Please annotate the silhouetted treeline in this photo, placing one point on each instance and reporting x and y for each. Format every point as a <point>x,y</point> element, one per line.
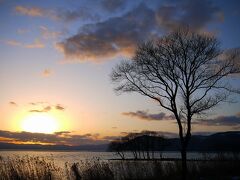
<point>149,145</point>
<point>144,145</point>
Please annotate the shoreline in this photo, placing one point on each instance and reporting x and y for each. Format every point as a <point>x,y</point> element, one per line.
<point>176,159</point>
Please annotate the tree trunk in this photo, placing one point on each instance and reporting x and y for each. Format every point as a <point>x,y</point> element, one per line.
<point>184,162</point>
<point>152,153</point>
<point>184,144</point>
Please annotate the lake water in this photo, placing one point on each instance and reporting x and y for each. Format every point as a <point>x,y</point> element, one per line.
<point>61,157</point>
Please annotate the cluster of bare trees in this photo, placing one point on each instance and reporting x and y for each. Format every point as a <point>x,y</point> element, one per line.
<point>144,145</point>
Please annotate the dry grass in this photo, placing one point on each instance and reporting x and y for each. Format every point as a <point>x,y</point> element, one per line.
<point>28,168</point>
<point>36,168</point>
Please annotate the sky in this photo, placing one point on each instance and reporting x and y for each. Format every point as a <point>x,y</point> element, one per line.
<point>56,57</point>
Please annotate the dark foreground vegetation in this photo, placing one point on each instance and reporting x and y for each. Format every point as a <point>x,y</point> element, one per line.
<point>28,168</point>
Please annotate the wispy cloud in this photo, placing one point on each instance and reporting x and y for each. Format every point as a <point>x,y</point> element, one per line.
<point>30,11</point>
<point>45,109</point>
<point>80,13</point>
<point>197,15</point>
<point>113,5</point>
<point>41,107</point>
<point>22,31</point>
<point>58,14</point>
<point>232,121</point>
<point>13,43</point>
<point>144,115</point>
<point>59,107</point>
<point>12,103</point>
<point>46,73</point>
<point>46,33</point>
<point>36,44</point>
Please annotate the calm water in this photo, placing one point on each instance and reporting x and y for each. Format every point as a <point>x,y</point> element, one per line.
<point>60,157</point>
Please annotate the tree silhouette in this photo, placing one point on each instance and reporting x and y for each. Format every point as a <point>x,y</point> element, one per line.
<point>142,145</point>
<point>185,72</point>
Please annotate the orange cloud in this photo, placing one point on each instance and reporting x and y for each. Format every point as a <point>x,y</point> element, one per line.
<point>63,137</point>
<point>13,43</point>
<point>82,13</point>
<point>30,11</point>
<point>48,34</point>
<point>36,44</point>
<point>46,73</point>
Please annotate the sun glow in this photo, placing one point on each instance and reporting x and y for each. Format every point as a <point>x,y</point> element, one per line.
<point>40,123</point>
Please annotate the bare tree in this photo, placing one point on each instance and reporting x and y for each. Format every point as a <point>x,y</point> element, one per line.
<point>118,146</point>
<point>185,72</point>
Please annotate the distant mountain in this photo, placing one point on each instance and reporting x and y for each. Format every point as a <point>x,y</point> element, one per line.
<point>224,141</point>
<point>10,146</point>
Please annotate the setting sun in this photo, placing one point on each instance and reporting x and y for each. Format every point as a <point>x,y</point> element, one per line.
<point>40,123</point>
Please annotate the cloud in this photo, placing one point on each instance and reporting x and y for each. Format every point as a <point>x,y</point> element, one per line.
<point>113,5</point>
<point>199,13</point>
<point>115,36</point>
<point>233,54</point>
<point>62,137</point>
<point>13,103</point>
<point>45,109</point>
<point>46,73</point>
<point>196,14</point>
<point>37,103</point>
<point>101,41</point>
<point>144,115</point>
<point>48,34</point>
<point>13,43</point>
<point>31,11</point>
<point>80,13</point>
<point>59,107</point>
<point>62,133</point>
<point>66,15</point>
<point>22,31</point>
<point>233,121</point>
<point>36,44</point>
<point>41,107</point>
